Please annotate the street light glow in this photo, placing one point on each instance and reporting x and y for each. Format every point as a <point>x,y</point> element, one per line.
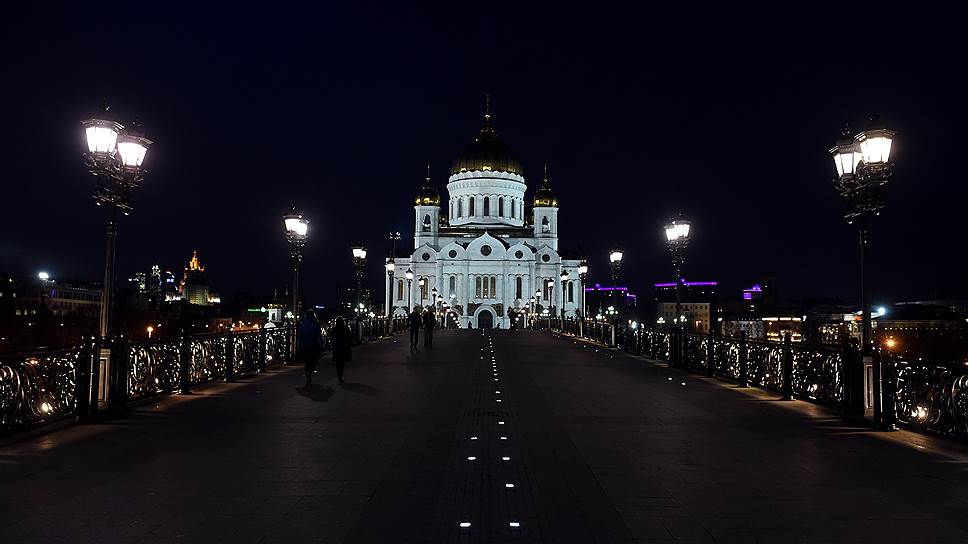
<point>43,275</point>
<point>677,230</point>
<point>615,256</point>
<point>297,225</point>
<point>875,145</point>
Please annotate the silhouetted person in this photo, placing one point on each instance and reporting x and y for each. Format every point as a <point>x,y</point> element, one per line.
<point>429,322</point>
<point>414,321</point>
<point>512,315</point>
<point>310,344</point>
<point>342,342</point>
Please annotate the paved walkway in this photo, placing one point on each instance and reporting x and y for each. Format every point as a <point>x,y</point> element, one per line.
<point>598,446</point>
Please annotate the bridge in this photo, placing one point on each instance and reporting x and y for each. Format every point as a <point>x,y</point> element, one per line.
<point>489,436</point>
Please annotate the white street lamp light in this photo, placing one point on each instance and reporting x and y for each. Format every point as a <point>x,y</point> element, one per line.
<point>875,145</point>
<point>677,231</point>
<point>615,256</point>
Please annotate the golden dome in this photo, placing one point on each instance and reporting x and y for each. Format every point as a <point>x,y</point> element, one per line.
<point>544,196</point>
<point>487,153</point>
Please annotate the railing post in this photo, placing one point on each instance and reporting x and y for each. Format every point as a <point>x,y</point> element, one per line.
<point>743,361</point>
<point>230,357</point>
<point>118,390</point>
<point>853,380</point>
<point>263,341</point>
<point>612,331</point>
<point>184,364</point>
<point>787,368</point>
<point>888,391</point>
<point>82,381</point>
<point>710,355</point>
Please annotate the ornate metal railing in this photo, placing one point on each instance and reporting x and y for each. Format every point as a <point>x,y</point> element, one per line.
<point>38,386</point>
<point>925,395</point>
<point>43,385</point>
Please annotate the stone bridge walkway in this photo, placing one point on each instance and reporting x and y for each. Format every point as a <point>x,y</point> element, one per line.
<point>522,437</point>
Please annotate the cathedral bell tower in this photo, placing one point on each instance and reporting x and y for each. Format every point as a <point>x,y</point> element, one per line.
<point>426,214</point>
<point>546,214</point>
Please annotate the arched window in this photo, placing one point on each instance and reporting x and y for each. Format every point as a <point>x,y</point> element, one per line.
<point>493,287</point>
<point>518,285</point>
<point>487,206</point>
<point>513,205</point>
<point>571,291</point>
<point>460,207</point>
<point>470,207</point>
<point>453,285</point>
<point>426,223</point>
<point>487,289</point>
<point>423,290</point>
<point>545,225</point>
<point>399,289</point>
<point>500,207</point>
<point>477,287</point>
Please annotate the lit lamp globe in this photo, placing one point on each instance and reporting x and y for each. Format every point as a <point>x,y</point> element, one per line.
<point>409,275</point>
<point>564,276</point>
<point>615,256</point>
<point>390,266</point>
<point>847,157</point>
<point>132,147</point>
<point>297,226</point>
<point>102,136</point>
<point>582,269</point>
<point>875,146</point>
<point>359,252</point>
<point>677,231</point>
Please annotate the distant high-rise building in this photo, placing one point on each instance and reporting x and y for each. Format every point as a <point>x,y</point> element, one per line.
<point>194,285</point>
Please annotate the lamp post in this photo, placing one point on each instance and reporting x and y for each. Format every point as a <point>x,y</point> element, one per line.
<point>114,156</point>
<point>297,231</point>
<point>433,298</point>
<point>677,239</point>
<point>863,168</point>
<point>409,276</point>
<point>421,283</point>
<point>359,262</point>
<point>389,266</point>
<point>615,257</point>
<point>564,279</point>
<point>582,277</point>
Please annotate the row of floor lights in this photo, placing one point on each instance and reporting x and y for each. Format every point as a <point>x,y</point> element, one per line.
<point>508,485</point>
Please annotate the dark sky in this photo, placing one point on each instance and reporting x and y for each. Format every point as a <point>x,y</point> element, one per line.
<point>724,113</point>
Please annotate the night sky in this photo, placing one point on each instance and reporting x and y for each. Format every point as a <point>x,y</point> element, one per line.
<point>725,114</point>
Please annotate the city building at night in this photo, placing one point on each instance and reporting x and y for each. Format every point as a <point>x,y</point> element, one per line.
<point>697,303</point>
<point>486,249</point>
<point>598,298</point>
<point>194,284</point>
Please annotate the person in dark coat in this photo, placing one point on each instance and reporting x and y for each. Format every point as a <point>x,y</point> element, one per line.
<point>342,342</point>
<point>429,322</point>
<point>415,321</point>
<point>310,344</point>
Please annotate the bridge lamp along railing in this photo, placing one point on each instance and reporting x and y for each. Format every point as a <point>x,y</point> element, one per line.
<point>864,166</point>
<point>359,263</point>
<point>677,233</point>
<point>409,276</point>
<point>297,233</point>
<point>389,266</point>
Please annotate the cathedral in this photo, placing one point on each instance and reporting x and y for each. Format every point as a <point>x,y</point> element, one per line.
<point>481,255</point>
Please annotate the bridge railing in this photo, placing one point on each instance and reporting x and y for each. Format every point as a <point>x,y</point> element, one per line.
<point>43,385</point>
<point>921,394</point>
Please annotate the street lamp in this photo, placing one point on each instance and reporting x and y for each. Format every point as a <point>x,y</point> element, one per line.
<point>297,231</point>
<point>390,266</point>
<point>864,166</point>
<point>582,277</point>
<point>564,280</point>
<point>359,261</point>
<point>409,276</point>
<point>421,283</point>
<point>677,239</point>
<point>114,156</point>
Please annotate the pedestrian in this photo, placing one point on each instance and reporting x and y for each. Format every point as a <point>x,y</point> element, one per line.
<point>429,322</point>
<point>310,344</point>
<point>342,342</point>
<point>415,321</point>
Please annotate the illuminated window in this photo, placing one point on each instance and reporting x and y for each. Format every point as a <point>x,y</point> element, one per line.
<point>545,225</point>
<point>493,287</point>
<point>477,287</point>
<point>426,223</point>
<point>399,289</point>
<point>453,285</point>
<point>423,289</point>
<point>487,289</point>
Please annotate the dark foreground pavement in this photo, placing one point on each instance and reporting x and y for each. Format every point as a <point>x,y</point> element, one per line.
<point>598,446</point>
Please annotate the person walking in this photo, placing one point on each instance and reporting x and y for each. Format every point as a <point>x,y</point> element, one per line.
<point>310,344</point>
<point>415,321</point>
<point>342,342</point>
<point>429,322</point>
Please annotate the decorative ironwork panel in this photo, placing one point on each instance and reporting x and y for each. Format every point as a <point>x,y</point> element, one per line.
<point>153,367</point>
<point>37,386</point>
<point>246,352</point>
<point>933,396</point>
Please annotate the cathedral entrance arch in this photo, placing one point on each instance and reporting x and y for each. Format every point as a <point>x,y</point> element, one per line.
<point>485,318</point>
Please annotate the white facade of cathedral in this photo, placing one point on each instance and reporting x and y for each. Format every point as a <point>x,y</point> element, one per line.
<point>484,259</point>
